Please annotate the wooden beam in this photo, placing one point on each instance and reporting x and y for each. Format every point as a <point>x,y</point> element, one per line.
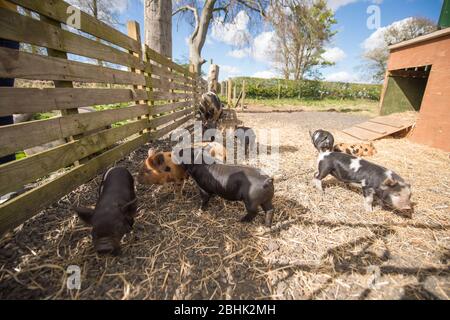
<point>33,100</point>
<point>14,26</point>
<point>29,134</point>
<point>14,175</point>
<point>170,107</point>
<point>58,10</point>
<point>22,65</point>
<point>168,129</point>
<point>157,122</point>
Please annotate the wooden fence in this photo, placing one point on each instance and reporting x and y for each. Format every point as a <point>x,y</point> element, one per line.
<point>157,96</point>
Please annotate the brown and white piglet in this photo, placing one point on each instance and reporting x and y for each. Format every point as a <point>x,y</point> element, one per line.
<point>113,215</point>
<point>159,169</point>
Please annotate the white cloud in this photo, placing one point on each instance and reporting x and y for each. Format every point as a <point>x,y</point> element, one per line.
<point>342,76</point>
<point>230,71</point>
<point>260,48</point>
<point>334,54</point>
<point>376,39</point>
<point>239,53</point>
<point>234,33</point>
<point>267,74</point>
<point>337,4</point>
<point>119,5</point>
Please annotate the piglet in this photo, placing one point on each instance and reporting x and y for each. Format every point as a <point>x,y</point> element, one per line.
<point>113,215</point>
<point>233,183</point>
<point>159,169</point>
<point>322,140</point>
<point>375,180</point>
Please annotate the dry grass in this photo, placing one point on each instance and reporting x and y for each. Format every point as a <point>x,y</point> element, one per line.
<point>321,246</point>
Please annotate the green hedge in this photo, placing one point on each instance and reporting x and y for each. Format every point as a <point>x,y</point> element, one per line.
<point>257,88</point>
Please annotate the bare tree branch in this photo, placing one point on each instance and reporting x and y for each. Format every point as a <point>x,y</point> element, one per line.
<point>253,5</point>
<point>197,20</point>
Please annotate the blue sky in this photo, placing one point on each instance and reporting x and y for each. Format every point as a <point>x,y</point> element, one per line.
<point>240,55</point>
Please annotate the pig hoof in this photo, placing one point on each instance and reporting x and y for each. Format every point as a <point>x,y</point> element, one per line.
<point>317,184</point>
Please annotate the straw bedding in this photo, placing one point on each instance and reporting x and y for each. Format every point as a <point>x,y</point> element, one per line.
<point>320,247</point>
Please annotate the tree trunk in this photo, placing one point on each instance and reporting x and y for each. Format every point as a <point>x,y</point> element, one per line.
<point>195,57</point>
<point>198,37</point>
<point>158,26</point>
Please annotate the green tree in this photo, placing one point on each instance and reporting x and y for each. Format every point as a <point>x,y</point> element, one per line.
<point>302,29</point>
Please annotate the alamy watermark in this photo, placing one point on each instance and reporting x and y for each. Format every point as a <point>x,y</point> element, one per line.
<point>260,148</point>
<point>73,17</point>
<point>73,278</point>
<point>374,19</point>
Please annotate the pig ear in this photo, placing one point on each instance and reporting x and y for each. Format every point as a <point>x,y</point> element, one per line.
<point>85,214</point>
<point>151,152</point>
<point>390,182</point>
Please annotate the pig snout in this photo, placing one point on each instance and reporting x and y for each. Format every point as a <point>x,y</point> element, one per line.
<point>402,200</point>
<point>107,246</point>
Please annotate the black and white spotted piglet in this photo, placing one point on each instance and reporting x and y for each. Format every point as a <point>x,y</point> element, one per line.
<point>375,180</point>
<point>322,140</point>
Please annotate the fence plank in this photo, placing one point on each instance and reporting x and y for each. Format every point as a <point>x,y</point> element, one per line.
<point>32,100</point>
<point>166,130</point>
<point>29,134</point>
<point>154,123</point>
<point>14,26</point>
<point>14,175</point>
<point>161,95</point>
<point>155,56</point>
<point>22,65</point>
<point>163,72</point>
<point>166,85</point>
<point>57,10</point>
<point>25,206</point>
<point>170,107</point>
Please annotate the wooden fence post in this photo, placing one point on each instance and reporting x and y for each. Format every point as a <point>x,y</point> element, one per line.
<point>279,90</point>
<point>243,95</point>
<point>134,32</point>
<point>194,86</point>
<point>229,93</point>
<point>213,78</point>
<point>62,84</point>
<point>234,93</point>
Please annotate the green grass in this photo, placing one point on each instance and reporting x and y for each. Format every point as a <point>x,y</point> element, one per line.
<point>20,155</point>
<point>368,107</point>
<point>44,115</point>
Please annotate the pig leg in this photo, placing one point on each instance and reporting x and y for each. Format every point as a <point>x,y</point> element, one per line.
<point>205,196</point>
<point>252,211</point>
<point>324,171</point>
<point>178,191</point>
<point>268,209</point>
<point>368,199</point>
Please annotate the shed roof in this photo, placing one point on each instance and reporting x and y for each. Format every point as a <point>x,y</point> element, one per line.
<point>427,37</point>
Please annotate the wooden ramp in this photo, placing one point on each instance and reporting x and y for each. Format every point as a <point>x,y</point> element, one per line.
<point>380,127</point>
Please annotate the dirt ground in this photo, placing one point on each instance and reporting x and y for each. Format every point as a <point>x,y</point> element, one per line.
<point>320,247</point>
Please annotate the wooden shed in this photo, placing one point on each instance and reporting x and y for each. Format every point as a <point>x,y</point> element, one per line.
<point>418,78</point>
